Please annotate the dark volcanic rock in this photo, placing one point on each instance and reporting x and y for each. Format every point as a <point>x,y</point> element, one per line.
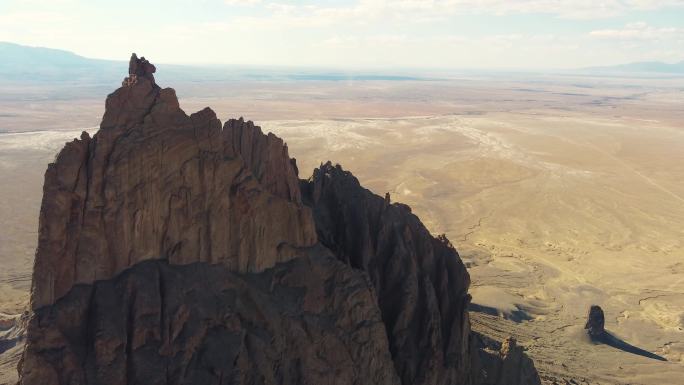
<point>596,329</point>
<point>157,183</point>
<point>502,363</point>
<point>173,250</point>
<point>421,283</point>
<point>312,320</point>
<point>139,69</point>
<point>595,322</point>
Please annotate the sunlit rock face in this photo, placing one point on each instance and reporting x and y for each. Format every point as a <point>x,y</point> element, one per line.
<point>155,183</point>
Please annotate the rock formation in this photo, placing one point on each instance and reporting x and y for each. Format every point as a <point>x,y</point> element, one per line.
<point>309,321</point>
<point>173,250</point>
<point>420,281</point>
<point>155,183</point>
<point>595,322</point>
<point>597,332</point>
<point>502,363</point>
<point>139,69</point>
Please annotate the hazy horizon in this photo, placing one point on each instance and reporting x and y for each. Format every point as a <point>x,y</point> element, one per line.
<point>404,34</point>
<point>401,73</point>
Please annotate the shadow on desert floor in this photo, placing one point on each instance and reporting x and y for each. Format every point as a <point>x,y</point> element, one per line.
<point>610,340</point>
<point>606,338</point>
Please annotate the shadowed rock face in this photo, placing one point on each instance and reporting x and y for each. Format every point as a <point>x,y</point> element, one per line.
<point>176,251</point>
<point>312,320</point>
<point>502,363</point>
<point>421,283</point>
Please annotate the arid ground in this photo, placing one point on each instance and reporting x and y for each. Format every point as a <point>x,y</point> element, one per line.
<point>560,192</point>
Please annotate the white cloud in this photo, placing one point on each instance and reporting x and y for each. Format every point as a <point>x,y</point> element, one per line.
<point>416,10</point>
<point>388,33</point>
<point>639,31</point>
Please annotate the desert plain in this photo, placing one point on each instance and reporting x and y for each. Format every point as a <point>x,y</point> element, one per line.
<point>559,191</point>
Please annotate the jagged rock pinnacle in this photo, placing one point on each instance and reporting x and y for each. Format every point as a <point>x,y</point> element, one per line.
<point>139,69</point>
<point>155,183</point>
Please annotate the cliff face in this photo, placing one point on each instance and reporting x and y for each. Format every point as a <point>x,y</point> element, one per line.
<point>420,281</point>
<point>155,183</point>
<point>176,251</point>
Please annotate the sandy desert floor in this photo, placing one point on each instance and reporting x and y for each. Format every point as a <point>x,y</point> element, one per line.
<point>551,213</point>
<point>558,194</point>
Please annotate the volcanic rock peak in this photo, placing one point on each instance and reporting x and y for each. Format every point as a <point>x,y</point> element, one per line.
<point>157,183</point>
<point>176,251</point>
<point>139,68</point>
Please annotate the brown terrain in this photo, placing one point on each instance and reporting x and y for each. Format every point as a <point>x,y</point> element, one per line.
<point>559,192</point>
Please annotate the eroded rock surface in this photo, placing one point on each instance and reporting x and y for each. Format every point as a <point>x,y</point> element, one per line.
<point>157,183</point>
<point>421,283</point>
<point>502,363</point>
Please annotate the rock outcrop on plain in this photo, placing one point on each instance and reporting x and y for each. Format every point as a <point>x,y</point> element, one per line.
<point>597,332</point>
<point>595,325</point>
<point>174,250</point>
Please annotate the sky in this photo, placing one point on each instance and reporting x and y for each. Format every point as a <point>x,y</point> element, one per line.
<point>396,34</point>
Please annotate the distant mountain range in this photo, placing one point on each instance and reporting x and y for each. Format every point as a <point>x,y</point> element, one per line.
<point>653,67</point>
<point>36,64</point>
<point>22,63</point>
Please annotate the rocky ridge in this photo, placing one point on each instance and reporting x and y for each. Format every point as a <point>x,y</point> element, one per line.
<point>156,183</point>
<point>174,250</point>
<point>421,283</point>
